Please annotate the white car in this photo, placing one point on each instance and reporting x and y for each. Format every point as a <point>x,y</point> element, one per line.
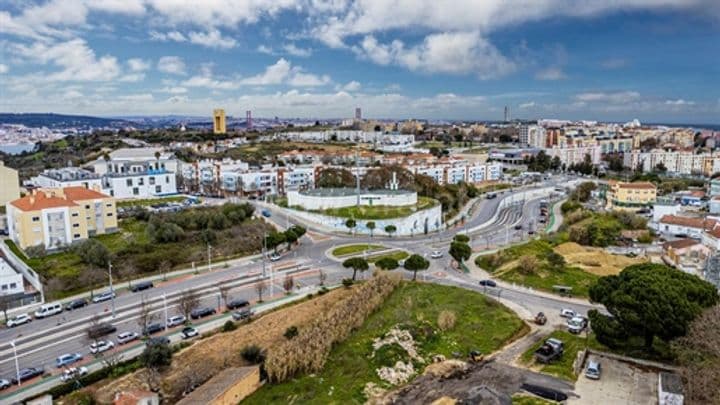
<point>436,254</point>
<point>274,257</point>
<point>4,384</point>
<point>567,313</point>
<point>73,372</point>
<point>126,337</point>
<point>101,346</point>
<point>18,320</point>
<point>175,321</point>
<point>189,332</point>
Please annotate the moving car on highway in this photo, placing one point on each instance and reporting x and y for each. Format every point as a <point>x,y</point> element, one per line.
<point>46,310</point>
<point>488,283</point>
<point>242,314</point>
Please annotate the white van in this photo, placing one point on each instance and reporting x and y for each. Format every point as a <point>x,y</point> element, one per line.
<point>48,310</point>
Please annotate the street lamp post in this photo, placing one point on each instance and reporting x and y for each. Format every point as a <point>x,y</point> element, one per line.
<point>264,248</point>
<point>17,365</point>
<point>164,298</point>
<point>112,292</point>
<point>209,257</point>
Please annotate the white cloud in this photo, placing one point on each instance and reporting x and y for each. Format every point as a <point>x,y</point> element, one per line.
<point>551,73</point>
<point>138,65</point>
<point>72,94</point>
<point>132,78</point>
<point>137,97</point>
<point>620,97</point>
<point>168,36</point>
<point>282,72</point>
<point>294,50</point>
<point>219,13</point>
<point>212,39</point>
<point>174,90</point>
<point>448,52</point>
<point>77,62</point>
<point>171,64</point>
<point>351,86</point>
<point>529,104</point>
<point>266,50</point>
<point>679,102</point>
<point>206,80</point>
<point>3,68</point>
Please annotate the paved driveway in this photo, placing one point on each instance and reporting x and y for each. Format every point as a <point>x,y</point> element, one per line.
<point>620,383</point>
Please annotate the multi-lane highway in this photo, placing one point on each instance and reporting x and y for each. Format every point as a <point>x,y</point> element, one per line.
<point>491,222</point>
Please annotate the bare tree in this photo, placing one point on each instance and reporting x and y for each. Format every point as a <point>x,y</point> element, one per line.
<point>189,300</point>
<point>224,292</point>
<point>260,288</point>
<point>322,276</point>
<point>146,316</point>
<point>288,283</point>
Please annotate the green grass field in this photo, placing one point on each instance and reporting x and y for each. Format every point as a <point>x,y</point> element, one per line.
<point>398,255</point>
<point>350,249</point>
<point>547,277</point>
<point>150,201</point>
<point>380,211</point>
<point>562,368</point>
<point>482,324</point>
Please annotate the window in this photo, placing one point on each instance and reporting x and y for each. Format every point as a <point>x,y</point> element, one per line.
<point>108,205</point>
<point>74,214</point>
<point>167,179</point>
<point>151,181</point>
<point>13,285</point>
<point>141,181</point>
<point>109,214</point>
<point>158,189</point>
<point>35,219</point>
<point>136,191</point>
<point>87,207</point>
<point>76,225</point>
<point>129,182</point>
<point>76,236</point>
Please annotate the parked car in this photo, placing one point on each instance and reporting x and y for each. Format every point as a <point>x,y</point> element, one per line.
<point>18,320</point>
<point>75,304</point>
<point>242,314</point>
<point>567,313</point>
<point>100,330</point>
<point>175,321</point>
<point>552,349</point>
<point>577,324</point>
<point>73,373</point>
<point>488,283</point>
<point>28,373</point>
<point>104,296</point>
<point>274,257</point>
<point>46,310</point>
<point>198,313</point>
<point>189,332</point>
<point>266,213</point>
<point>143,285</point>
<point>67,359</point>
<point>126,337</point>
<point>593,370</point>
<point>153,328</point>
<point>490,196</point>
<point>518,227</point>
<point>160,340</point>
<point>4,384</point>
<point>101,346</point>
<point>436,254</point>
<point>237,303</point>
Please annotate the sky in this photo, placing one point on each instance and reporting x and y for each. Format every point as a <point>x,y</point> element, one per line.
<point>607,60</point>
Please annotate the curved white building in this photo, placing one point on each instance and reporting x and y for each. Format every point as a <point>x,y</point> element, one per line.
<point>324,198</point>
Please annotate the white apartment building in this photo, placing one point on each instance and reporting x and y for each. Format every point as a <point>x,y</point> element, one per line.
<point>675,162</point>
<point>343,136</point>
<point>533,136</point>
<point>436,172</point>
<point>11,282</point>
<point>138,173</point>
<point>295,178</point>
<point>573,155</point>
<point>67,177</point>
<point>150,184</point>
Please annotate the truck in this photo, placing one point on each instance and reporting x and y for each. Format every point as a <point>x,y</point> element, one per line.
<point>551,350</point>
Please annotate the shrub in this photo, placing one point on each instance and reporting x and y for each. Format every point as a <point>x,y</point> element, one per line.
<point>156,356</point>
<point>446,320</point>
<point>291,332</point>
<point>347,282</point>
<point>229,326</point>
<point>528,264</point>
<point>323,290</point>
<point>387,263</point>
<point>645,238</point>
<point>81,398</point>
<point>253,354</point>
<point>35,251</point>
<point>461,238</point>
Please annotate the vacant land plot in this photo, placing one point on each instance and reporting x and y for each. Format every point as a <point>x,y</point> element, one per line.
<point>480,324</point>
<point>350,249</point>
<point>595,260</point>
<point>547,277</point>
<point>208,356</point>
<point>619,383</point>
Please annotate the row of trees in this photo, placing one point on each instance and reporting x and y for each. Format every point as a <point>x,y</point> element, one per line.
<point>290,236</point>
<point>351,224</point>
<point>413,263</point>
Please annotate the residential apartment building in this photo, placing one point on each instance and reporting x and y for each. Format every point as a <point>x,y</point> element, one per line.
<point>9,184</point>
<point>67,177</point>
<point>533,136</point>
<point>685,162</point>
<point>575,154</point>
<point>138,173</point>
<point>59,217</point>
<point>630,196</point>
<point>11,282</point>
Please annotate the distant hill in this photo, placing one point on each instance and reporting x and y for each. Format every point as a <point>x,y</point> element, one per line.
<point>60,121</point>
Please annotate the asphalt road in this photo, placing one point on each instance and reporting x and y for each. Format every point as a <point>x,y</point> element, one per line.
<point>41,341</point>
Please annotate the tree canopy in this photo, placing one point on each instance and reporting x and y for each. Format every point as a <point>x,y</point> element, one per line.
<point>460,251</point>
<point>416,263</point>
<point>648,300</point>
<point>357,264</point>
<point>335,177</point>
<point>387,263</point>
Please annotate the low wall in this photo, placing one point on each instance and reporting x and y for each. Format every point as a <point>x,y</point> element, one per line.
<point>413,224</point>
<point>316,200</point>
<point>29,274</point>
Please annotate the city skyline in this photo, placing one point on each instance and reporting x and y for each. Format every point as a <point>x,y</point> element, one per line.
<point>656,61</point>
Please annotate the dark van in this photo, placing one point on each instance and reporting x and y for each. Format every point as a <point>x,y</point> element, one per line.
<point>143,285</point>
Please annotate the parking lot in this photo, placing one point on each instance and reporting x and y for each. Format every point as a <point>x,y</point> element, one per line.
<point>619,383</point>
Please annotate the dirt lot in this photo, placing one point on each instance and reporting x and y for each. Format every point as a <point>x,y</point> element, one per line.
<point>619,383</point>
<point>595,260</point>
<point>206,357</point>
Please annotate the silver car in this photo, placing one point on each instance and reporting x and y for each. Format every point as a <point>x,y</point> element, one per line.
<point>126,337</point>
<point>593,370</point>
<point>175,321</point>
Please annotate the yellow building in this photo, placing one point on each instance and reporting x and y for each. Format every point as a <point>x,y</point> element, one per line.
<point>631,196</point>
<point>9,184</point>
<point>59,217</point>
<point>219,121</point>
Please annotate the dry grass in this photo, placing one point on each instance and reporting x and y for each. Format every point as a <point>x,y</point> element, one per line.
<point>595,260</point>
<point>207,357</point>
<point>446,320</point>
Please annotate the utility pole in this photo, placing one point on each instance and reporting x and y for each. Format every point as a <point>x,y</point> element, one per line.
<point>264,248</point>
<point>209,258</point>
<point>112,292</point>
<point>17,365</point>
<point>164,298</point>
